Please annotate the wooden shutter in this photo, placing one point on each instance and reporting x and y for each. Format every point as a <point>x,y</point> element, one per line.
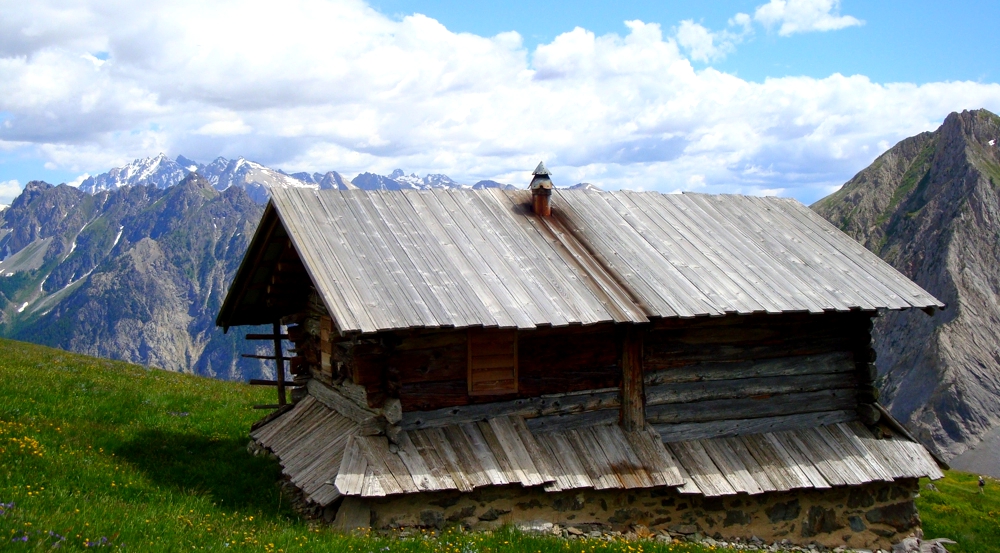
<point>492,362</point>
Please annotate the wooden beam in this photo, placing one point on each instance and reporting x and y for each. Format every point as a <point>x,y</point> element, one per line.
<point>278,281</point>
<point>572,421</point>
<point>896,426</point>
<point>718,429</point>
<point>554,404</point>
<point>369,422</point>
<point>279,361</point>
<point>753,407</point>
<point>633,404</point>
<point>797,365</point>
<point>266,337</point>
<point>262,382</point>
<point>257,356</point>
<point>291,268</point>
<point>747,387</point>
<point>284,305</point>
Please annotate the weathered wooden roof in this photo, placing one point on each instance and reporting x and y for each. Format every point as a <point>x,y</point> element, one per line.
<point>459,258</point>
<point>323,455</point>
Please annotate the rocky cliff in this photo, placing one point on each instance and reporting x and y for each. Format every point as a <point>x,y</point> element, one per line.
<point>930,206</point>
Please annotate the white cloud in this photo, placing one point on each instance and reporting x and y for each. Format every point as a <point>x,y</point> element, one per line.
<point>8,191</point>
<point>705,45</point>
<point>315,85</point>
<point>224,128</point>
<point>803,16</point>
<point>75,183</point>
<point>695,182</point>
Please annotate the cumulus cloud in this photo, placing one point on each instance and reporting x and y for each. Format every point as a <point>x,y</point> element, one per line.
<point>316,85</point>
<point>803,16</point>
<point>8,191</point>
<point>704,45</point>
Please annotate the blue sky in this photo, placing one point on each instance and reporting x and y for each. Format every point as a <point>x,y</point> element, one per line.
<point>915,41</point>
<point>781,97</point>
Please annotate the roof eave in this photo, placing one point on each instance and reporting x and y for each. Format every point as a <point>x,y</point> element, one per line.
<point>237,289</point>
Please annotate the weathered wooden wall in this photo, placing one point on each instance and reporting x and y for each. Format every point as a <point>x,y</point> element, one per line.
<point>700,376</point>
<point>747,374</point>
<point>680,342</point>
<point>427,370</point>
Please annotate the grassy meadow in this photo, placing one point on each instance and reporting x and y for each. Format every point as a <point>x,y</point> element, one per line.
<point>97,453</point>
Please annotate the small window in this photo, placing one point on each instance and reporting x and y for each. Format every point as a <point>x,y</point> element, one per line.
<point>492,362</point>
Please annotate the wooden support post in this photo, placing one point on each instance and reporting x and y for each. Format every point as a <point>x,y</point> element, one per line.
<point>633,406</point>
<point>279,363</point>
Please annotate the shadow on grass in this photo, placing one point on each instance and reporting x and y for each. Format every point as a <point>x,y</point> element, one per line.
<point>199,465</point>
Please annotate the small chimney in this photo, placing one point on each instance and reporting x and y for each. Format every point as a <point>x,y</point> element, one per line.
<point>541,190</point>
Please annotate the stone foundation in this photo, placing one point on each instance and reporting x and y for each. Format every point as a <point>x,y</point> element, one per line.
<point>871,516</point>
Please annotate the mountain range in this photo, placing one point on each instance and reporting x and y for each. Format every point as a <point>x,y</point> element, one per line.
<point>135,273</point>
<point>134,264</point>
<point>162,172</point>
<point>930,206</point>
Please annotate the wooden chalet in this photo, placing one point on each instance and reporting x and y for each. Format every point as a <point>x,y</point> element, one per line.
<point>498,347</point>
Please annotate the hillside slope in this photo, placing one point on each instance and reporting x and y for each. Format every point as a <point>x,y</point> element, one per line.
<point>930,206</point>
<point>135,274</point>
<point>98,453</point>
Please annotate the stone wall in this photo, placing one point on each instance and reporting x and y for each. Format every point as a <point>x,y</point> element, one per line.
<point>870,516</point>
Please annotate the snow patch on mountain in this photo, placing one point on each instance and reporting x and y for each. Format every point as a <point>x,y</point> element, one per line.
<point>121,229</point>
<point>158,171</point>
<point>258,179</point>
<point>413,182</point>
<point>162,172</point>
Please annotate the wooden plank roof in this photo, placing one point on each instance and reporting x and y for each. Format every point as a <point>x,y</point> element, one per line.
<point>324,455</point>
<point>385,260</point>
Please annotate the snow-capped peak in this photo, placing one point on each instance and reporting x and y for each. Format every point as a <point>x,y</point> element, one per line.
<point>159,171</point>
<point>257,179</point>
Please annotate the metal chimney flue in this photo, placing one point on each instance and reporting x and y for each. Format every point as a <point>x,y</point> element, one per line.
<point>541,190</point>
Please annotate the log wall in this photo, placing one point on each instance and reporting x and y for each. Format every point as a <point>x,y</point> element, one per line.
<point>747,374</point>
<point>700,377</point>
<point>428,370</point>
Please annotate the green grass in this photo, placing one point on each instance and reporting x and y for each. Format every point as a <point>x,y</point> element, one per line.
<point>957,511</point>
<point>111,454</point>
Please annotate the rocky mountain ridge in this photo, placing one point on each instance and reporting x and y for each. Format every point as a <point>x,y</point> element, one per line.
<point>137,273</point>
<point>162,172</point>
<point>930,206</point>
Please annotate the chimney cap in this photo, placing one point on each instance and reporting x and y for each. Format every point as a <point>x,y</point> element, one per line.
<point>541,181</point>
